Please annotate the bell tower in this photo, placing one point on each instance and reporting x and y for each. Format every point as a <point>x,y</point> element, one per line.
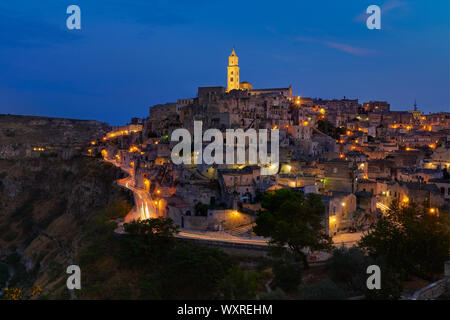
<point>233,72</point>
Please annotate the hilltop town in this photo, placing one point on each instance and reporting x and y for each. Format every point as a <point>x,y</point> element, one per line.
<point>361,157</point>
<point>71,188</point>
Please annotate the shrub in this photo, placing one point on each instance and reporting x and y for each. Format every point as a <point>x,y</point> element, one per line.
<point>323,290</point>
<point>287,274</point>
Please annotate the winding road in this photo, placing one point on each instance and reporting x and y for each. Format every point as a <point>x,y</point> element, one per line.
<point>145,209</point>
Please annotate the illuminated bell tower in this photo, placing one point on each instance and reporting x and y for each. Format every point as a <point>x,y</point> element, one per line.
<point>233,72</point>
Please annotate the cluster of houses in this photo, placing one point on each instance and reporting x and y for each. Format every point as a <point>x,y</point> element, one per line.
<point>359,168</point>
<point>359,157</point>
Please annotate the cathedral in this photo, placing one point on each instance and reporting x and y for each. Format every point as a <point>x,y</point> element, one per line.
<point>233,72</point>
<point>234,84</point>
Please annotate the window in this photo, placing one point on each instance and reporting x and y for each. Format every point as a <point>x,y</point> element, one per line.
<point>442,190</point>
<point>231,79</point>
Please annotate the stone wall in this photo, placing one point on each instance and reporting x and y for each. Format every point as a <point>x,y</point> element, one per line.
<point>435,289</point>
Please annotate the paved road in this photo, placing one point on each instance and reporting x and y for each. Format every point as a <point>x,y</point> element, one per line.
<point>145,208</point>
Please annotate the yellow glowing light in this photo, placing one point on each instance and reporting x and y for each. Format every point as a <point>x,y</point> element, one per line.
<point>343,204</point>
<point>156,142</point>
<point>104,153</point>
<point>349,133</point>
<point>275,127</point>
<point>332,219</point>
<point>305,123</point>
<point>405,199</point>
<point>322,111</point>
<point>341,155</point>
<point>432,210</point>
<point>235,213</point>
<point>158,191</point>
<point>93,143</point>
<point>432,146</point>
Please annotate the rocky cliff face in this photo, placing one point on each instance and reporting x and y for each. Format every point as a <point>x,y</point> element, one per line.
<point>46,203</point>
<point>28,136</point>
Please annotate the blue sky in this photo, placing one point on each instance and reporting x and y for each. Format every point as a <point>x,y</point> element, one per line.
<point>132,54</point>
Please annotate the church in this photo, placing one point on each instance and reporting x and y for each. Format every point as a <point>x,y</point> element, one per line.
<point>238,105</point>
<point>233,82</point>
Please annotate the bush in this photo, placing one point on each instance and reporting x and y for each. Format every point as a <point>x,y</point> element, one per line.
<point>323,290</point>
<point>276,294</point>
<point>411,241</point>
<point>287,274</point>
<point>239,284</point>
<point>348,267</point>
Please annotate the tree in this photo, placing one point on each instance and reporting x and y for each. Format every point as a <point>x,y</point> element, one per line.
<point>276,294</point>
<point>293,220</point>
<point>411,240</point>
<point>287,275</point>
<point>239,284</point>
<point>348,266</point>
<point>148,239</point>
<point>191,271</point>
<point>322,290</point>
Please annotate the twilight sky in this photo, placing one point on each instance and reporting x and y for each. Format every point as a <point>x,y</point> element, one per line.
<point>132,54</point>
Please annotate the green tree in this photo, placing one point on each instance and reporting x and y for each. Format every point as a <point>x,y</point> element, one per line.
<point>276,294</point>
<point>191,271</point>
<point>287,275</point>
<point>348,266</point>
<point>410,240</point>
<point>293,220</point>
<point>322,290</point>
<point>239,284</point>
<point>149,239</point>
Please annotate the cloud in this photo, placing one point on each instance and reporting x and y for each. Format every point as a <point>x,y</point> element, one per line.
<point>392,4</point>
<point>357,51</point>
<point>347,48</point>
